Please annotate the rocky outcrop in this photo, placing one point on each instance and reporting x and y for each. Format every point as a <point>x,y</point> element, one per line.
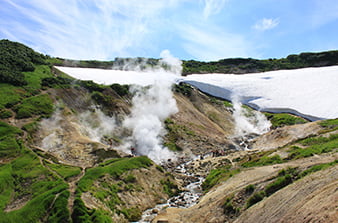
<point>285,135</point>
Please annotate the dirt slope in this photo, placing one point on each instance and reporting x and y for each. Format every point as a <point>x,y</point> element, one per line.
<point>311,199</point>
<point>210,121</point>
<point>210,207</point>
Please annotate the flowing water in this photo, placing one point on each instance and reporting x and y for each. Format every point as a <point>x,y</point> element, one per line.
<point>185,199</point>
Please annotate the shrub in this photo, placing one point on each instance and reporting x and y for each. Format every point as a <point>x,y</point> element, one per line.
<point>121,90</point>
<point>132,214</point>
<point>278,184</point>
<point>183,88</point>
<point>283,119</point>
<point>255,198</point>
<point>36,105</point>
<point>263,161</point>
<point>318,167</point>
<point>330,124</point>
<point>92,86</point>
<point>169,187</point>
<point>229,208</point>
<point>56,82</point>
<point>318,145</point>
<point>129,179</point>
<point>217,175</point>
<point>14,59</point>
<point>5,114</point>
<point>250,189</point>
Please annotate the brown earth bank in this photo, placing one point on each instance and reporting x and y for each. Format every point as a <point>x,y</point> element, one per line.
<point>299,197</point>
<point>203,124</point>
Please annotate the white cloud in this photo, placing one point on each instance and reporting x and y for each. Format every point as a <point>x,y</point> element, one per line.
<point>266,24</point>
<point>212,43</point>
<point>212,7</point>
<point>97,29</point>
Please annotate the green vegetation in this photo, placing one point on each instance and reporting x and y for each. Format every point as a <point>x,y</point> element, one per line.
<point>10,95</point>
<point>331,124</point>
<point>107,192</point>
<point>56,82</point>
<point>121,90</point>
<point>284,178</point>
<point>249,65</point>
<point>36,105</point>
<point>283,119</point>
<point>278,184</point>
<point>169,187</point>
<point>31,127</point>
<point>217,175</point>
<point>115,169</point>
<point>102,99</point>
<point>250,189</point>
<point>59,211</point>
<point>174,133</point>
<point>132,214</point>
<point>318,167</point>
<point>118,64</point>
<point>34,78</point>
<point>316,145</point>
<point>229,208</point>
<point>25,178</point>
<point>10,145</point>
<point>16,58</point>
<point>228,104</point>
<point>91,86</point>
<point>255,198</point>
<point>65,171</point>
<point>173,146</point>
<point>5,114</point>
<point>263,161</point>
<point>183,88</point>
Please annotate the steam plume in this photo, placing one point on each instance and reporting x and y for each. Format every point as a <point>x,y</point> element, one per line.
<point>248,121</point>
<point>151,106</point>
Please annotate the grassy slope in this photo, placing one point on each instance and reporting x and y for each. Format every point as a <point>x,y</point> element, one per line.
<point>34,187</point>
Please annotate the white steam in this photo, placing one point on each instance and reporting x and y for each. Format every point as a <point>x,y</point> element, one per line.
<point>96,124</point>
<point>151,106</point>
<point>173,63</point>
<point>248,121</point>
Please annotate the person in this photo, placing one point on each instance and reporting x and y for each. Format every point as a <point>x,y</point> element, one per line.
<point>133,152</point>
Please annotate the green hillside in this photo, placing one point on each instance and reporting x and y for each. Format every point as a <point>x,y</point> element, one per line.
<point>37,186</point>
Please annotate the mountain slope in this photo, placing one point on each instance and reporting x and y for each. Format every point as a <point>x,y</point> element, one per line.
<point>283,184</point>
<point>63,159</point>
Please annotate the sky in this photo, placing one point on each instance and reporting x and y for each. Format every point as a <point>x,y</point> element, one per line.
<point>205,30</point>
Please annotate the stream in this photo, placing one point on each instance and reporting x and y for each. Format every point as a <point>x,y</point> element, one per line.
<point>185,199</point>
<point>192,187</point>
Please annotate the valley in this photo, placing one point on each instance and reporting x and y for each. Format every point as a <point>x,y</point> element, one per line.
<point>78,151</point>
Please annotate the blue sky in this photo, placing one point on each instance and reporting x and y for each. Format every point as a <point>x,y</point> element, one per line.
<point>190,29</point>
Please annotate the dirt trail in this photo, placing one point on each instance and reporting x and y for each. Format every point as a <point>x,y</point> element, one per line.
<point>72,188</point>
<point>72,183</point>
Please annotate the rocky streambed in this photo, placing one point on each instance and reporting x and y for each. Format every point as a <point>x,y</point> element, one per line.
<point>188,197</point>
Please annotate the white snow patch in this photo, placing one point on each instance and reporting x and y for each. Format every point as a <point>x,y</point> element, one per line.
<point>105,76</point>
<point>310,92</point>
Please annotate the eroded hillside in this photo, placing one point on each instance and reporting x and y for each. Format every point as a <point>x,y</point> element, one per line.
<point>290,182</point>
<point>66,156</point>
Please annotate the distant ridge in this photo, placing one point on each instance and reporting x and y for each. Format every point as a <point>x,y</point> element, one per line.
<point>228,66</point>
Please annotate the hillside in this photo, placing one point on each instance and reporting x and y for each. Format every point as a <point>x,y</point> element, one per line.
<point>227,66</point>
<point>66,154</point>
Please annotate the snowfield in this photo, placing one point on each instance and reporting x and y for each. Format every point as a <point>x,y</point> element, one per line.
<point>308,92</point>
